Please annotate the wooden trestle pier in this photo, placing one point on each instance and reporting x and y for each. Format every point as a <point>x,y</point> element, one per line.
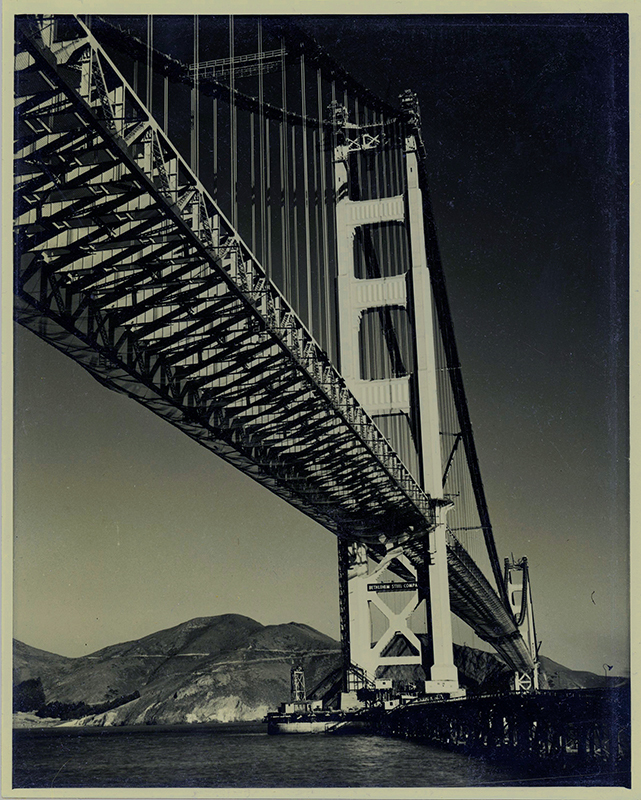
<point>584,732</point>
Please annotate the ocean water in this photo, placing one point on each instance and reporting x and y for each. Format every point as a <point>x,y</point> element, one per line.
<point>239,755</point>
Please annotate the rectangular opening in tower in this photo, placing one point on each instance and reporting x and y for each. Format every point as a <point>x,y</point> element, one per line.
<point>380,250</point>
<point>378,172</point>
<point>385,344</point>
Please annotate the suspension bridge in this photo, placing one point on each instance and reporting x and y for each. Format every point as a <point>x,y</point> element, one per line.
<point>233,232</point>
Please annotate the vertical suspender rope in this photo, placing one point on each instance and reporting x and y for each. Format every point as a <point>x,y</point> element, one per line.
<point>365,334</point>
<point>268,197</point>
<point>376,331</point>
<point>358,155</point>
<point>295,260</point>
<point>316,272</point>
<point>196,94</point>
<point>377,180</point>
<point>397,240</point>
<point>381,228</point>
<point>393,233</point>
<point>368,171</point>
<point>401,190</point>
<point>233,144</point>
<point>214,112</point>
<point>328,289</point>
<point>308,241</point>
<point>252,171</point>
<point>165,104</point>
<point>317,156</point>
<point>252,149</point>
<point>400,174</point>
<point>284,185</point>
<point>332,203</point>
<point>371,325</point>
<point>397,133</point>
<point>195,122</point>
<point>150,50</point>
<point>262,128</point>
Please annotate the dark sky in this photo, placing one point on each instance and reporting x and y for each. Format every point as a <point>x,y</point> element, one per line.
<point>125,526</point>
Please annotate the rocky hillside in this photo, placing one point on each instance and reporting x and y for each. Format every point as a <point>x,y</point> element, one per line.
<point>29,662</point>
<point>222,669</point>
<point>556,676</point>
<point>226,668</point>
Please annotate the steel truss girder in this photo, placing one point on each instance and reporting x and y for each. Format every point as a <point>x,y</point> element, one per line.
<point>284,344</point>
<point>353,480</point>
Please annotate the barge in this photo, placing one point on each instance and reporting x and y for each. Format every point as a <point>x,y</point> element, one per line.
<point>309,721</point>
<point>301,715</point>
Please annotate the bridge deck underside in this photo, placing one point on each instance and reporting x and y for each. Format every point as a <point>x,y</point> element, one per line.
<point>125,263</point>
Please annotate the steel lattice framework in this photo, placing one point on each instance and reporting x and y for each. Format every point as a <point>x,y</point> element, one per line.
<point>126,264</point>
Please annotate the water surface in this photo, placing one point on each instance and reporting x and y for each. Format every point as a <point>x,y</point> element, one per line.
<point>238,755</point>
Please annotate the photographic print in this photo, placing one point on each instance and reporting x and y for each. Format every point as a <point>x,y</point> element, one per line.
<point>320,425</point>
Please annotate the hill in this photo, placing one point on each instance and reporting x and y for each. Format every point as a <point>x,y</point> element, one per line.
<point>556,676</point>
<point>224,668</point>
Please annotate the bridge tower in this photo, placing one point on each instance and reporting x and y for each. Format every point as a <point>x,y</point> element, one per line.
<point>519,592</point>
<point>391,615</point>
